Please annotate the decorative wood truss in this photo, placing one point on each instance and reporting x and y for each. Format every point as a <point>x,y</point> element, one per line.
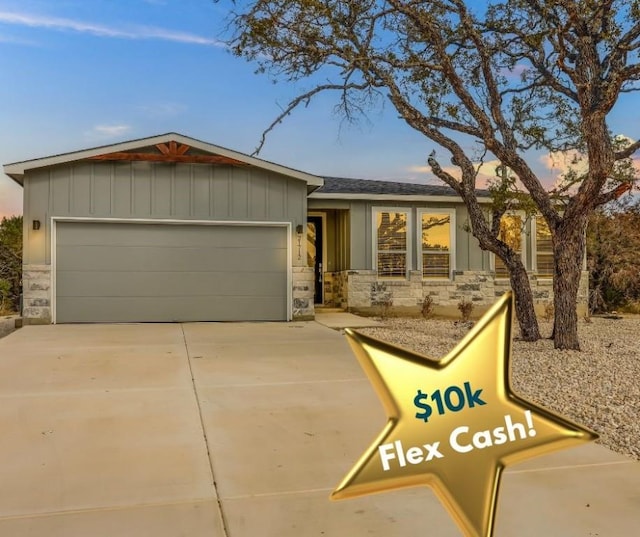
<point>171,152</point>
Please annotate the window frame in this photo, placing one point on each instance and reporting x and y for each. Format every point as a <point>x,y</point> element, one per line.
<point>523,244</point>
<point>375,211</point>
<point>534,249</point>
<point>452,240</point>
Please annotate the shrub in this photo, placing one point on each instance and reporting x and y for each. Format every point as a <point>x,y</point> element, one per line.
<point>5,297</point>
<point>10,262</point>
<point>466,308</point>
<point>427,307</point>
<point>385,305</point>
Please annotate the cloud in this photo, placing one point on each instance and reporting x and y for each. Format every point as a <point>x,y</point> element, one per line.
<point>552,173</point>
<point>99,30</point>
<point>108,131</point>
<point>560,162</point>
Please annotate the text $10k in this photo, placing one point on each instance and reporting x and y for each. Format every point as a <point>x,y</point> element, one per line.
<point>453,399</point>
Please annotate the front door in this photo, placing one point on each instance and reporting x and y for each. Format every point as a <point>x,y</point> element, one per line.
<point>314,253</point>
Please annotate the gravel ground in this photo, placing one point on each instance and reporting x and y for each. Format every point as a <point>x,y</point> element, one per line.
<point>598,387</point>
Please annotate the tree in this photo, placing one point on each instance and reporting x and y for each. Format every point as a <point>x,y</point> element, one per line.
<point>507,76</point>
<point>613,258</point>
<point>10,262</point>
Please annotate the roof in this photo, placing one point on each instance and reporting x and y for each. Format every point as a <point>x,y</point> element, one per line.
<point>346,188</point>
<point>190,150</point>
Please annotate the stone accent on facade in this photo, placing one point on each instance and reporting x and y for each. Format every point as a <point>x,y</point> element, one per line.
<point>303,291</point>
<point>361,291</point>
<point>336,289</point>
<point>36,294</point>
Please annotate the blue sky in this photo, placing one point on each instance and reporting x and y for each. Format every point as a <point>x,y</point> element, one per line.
<point>82,73</point>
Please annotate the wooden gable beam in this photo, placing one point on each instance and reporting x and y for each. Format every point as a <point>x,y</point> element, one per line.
<point>170,157</point>
<point>173,148</point>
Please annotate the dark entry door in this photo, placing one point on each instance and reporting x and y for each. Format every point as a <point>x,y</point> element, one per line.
<point>314,253</point>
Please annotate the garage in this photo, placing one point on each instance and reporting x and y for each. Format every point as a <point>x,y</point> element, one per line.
<point>167,272</point>
<point>163,229</point>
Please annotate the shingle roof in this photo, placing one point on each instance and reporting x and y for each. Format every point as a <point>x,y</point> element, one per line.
<point>342,185</point>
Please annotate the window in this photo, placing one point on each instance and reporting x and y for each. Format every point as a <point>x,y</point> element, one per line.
<point>437,243</point>
<point>510,233</point>
<point>391,256</point>
<point>543,248</point>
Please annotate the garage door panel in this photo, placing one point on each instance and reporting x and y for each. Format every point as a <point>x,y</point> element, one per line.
<point>136,235</point>
<point>108,272</point>
<point>168,309</point>
<point>152,258</point>
<point>169,284</point>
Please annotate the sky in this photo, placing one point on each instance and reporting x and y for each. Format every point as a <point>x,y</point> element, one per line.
<point>76,74</point>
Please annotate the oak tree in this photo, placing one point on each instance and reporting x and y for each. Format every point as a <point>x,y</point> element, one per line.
<point>503,77</point>
<point>613,258</point>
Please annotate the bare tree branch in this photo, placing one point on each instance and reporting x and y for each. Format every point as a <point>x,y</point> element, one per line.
<point>627,151</point>
<point>305,99</point>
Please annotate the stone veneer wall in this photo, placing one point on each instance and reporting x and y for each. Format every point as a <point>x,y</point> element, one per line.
<point>362,291</point>
<point>303,292</point>
<point>336,289</point>
<point>36,294</point>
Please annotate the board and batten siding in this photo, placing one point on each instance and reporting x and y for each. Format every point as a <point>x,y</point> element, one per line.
<point>148,190</point>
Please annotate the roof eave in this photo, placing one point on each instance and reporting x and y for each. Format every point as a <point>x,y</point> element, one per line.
<point>18,178</point>
<point>392,197</point>
<point>16,170</point>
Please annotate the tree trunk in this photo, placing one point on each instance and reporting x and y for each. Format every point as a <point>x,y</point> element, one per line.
<point>525,313</point>
<point>518,278</point>
<point>568,250</point>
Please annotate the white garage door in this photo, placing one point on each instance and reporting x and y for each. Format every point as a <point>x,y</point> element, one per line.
<point>126,272</point>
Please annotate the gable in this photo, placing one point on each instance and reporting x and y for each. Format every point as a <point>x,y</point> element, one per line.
<point>170,147</point>
<point>169,152</point>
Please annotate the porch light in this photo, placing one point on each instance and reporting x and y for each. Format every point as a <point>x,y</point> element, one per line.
<point>36,225</point>
<point>299,229</point>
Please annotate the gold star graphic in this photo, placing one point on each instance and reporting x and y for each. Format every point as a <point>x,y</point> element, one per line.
<point>453,423</point>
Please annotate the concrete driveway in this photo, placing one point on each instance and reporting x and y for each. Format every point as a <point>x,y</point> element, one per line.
<point>240,430</point>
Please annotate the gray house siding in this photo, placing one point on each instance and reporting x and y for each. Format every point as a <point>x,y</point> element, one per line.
<point>153,191</point>
<point>358,287</point>
<point>137,190</point>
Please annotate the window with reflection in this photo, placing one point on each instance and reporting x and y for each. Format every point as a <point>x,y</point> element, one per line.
<point>391,244</point>
<point>544,249</point>
<point>436,244</point>
<point>510,233</point>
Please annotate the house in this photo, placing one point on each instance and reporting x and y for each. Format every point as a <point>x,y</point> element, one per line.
<point>169,228</point>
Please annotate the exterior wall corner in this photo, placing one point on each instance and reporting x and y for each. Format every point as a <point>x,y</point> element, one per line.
<point>303,292</point>
<point>36,294</point>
